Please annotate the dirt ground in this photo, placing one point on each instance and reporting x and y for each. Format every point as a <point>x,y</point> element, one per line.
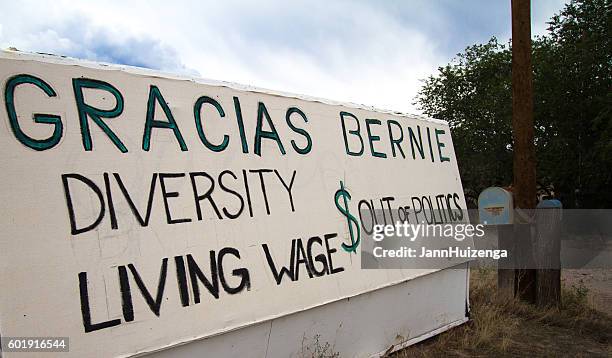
<point>598,285</point>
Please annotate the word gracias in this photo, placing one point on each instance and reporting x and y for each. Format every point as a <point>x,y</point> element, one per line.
<point>423,144</point>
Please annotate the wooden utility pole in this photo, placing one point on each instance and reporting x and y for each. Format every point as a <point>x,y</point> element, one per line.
<point>523,134</point>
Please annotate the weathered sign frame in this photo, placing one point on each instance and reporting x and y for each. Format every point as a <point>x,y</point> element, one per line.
<point>79,254</point>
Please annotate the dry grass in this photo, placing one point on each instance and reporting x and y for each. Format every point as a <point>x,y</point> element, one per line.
<point>510,328</point>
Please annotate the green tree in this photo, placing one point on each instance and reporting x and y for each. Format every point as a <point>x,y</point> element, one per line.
<point>572,66</point>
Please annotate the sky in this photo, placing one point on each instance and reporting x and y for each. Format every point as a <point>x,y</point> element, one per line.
<point>374,53</point>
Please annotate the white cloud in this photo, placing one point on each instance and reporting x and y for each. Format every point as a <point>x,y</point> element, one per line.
<point>541,13</point>
<point>366,52</point>
<point>343,50</point>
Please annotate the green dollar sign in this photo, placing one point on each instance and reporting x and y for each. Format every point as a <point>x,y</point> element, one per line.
<point>350,219</point>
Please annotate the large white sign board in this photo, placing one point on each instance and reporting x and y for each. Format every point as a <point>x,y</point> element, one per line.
<point>140,210</point>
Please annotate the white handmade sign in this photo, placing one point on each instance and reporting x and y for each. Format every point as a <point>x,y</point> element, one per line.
<point>141,210</point>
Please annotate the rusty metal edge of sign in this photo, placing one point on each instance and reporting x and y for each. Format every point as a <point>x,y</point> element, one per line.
<point>435,332</point>
<point>382,353</point>
<point>421,338</point>
<point>283,314</point>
